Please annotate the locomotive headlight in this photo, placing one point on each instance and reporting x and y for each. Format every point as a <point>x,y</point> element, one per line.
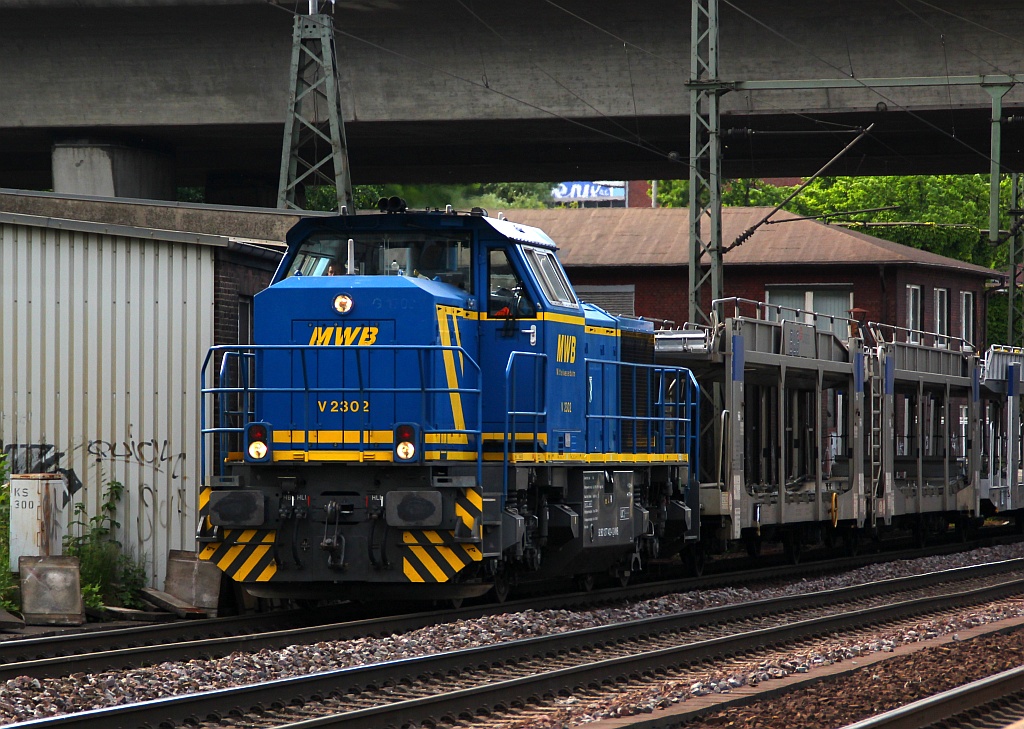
<point>257,442</point>
<point>343,303</point>
<point>406,441</point>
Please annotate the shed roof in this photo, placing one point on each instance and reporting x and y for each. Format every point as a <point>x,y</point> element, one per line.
<point>594,237</point>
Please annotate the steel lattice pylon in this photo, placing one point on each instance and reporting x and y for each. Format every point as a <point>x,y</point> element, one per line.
<point>314,93</point>
<point>1015,307</point>
<point>705,159</point>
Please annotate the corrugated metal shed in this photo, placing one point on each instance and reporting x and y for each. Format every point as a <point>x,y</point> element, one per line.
<point>652,237</point>
<point>102,330</point>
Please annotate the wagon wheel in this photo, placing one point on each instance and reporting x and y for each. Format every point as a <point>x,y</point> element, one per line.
<point>585,582</point>
<point>501,588</point>
<point>693,559</point>
<point>794,548</point>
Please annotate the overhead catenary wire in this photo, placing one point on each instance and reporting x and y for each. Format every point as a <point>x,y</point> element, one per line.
<point>866,86</point>
<point>488,87</point>
<point>745,235</point>
<point>976,24</point>
<point>564,87</point>
<point>942,38</point>
<point>639,143</point>
<point>764,25</point>
<point>825,216</point>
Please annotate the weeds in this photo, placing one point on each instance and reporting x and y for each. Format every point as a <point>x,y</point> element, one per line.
<point>109,575</point>
<point>8,584</point>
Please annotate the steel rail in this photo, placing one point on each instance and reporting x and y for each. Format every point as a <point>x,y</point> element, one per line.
<point>217,647</point>
<point>503,693</point>
<point>971,697</point>
<point>69,643</point>
<point>220,646</point>
<point>98,637</point>
<point>70,646</point>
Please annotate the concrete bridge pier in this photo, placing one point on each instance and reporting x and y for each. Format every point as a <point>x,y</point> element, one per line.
<point>85,167</point>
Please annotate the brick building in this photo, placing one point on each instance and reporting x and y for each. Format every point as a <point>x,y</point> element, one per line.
<point>634,260</point>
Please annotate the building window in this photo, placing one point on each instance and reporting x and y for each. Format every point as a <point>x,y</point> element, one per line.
<point>967,316</point>
<point>826,307</point>
<point>243,372</point>
<point>615,299</point>
<point>245,327</point>
<point>942,313</point>
<point>914,313</point>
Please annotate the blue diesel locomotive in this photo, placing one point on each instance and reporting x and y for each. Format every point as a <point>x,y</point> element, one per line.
<point>428,411</point>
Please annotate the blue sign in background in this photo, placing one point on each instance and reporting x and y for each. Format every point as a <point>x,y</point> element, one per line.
<point>582,190</point>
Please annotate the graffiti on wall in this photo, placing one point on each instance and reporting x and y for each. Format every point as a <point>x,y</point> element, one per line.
<point>40,458</point>
<point>154,453</point>
<point>153,505</point>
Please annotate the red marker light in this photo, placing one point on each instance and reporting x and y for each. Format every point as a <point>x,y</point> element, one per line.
<point>404,432</point>
<point>257,432</point>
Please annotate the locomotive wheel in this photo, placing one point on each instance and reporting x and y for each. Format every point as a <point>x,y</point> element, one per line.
<point>585,582</point>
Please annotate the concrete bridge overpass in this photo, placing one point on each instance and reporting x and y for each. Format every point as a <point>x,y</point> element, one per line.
<point>468,90</point>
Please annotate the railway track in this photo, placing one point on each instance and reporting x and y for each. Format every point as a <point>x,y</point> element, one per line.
<point>480,682</point>
<point>101,650</point>
<point>989,703</point>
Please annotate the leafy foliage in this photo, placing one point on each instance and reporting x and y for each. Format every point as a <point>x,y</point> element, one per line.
<point>945,214</point>
<point>491,196</point>
<point>8,585</point>
<point>108,574</point>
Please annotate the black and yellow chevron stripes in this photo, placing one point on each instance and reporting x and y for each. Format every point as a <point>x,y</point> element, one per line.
<point>469,507</point>
<point>435,557</point>
<point>245,555</point>
<point>205,528</point>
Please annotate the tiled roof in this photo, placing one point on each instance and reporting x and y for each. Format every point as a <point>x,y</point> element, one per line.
<point>660,237</point>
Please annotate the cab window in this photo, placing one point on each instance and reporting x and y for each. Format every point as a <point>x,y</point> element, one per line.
<point>553,280</point>
<point>507,296</point>
<point>439,257</point>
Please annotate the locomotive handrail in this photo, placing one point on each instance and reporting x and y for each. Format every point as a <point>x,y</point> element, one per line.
<point>684,404</point>
<point>245,351</point>
<point>510,414</point>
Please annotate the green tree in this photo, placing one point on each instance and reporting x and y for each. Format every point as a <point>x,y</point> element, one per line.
<point>490,196</point>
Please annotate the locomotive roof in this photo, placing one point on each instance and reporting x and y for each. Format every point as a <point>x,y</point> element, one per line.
<point>592,237</point>
<point>516,231</point>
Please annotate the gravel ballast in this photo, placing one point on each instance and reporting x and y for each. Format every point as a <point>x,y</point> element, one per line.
<point>27,698</point>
